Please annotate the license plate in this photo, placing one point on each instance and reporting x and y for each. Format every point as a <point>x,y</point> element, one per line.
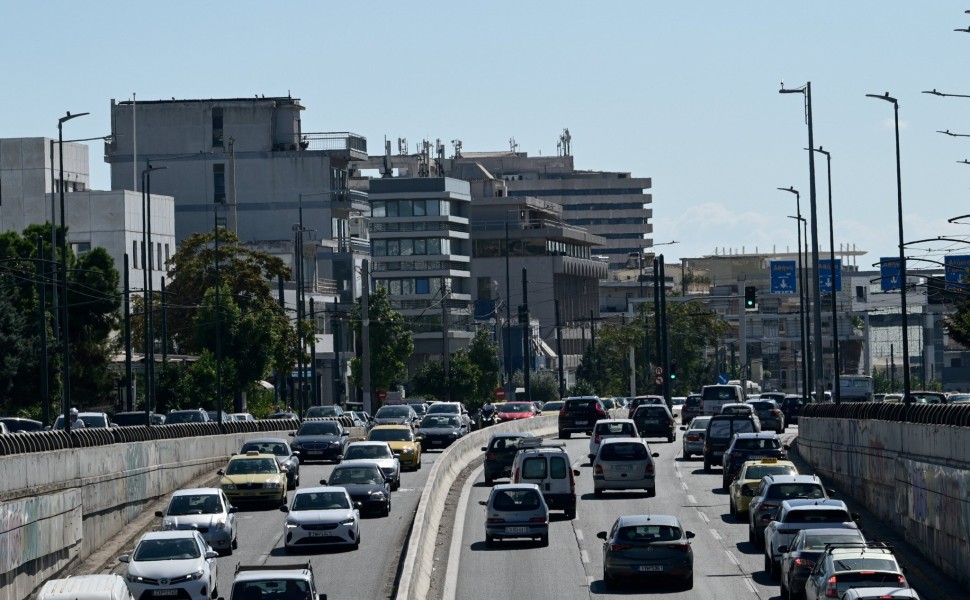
<point>319,533</point>
<point>516,530</point>
<point>582,422</point>
<point>650,568</point>
<point>315,452</point>
<point>651,421</point>
<point>165,593</point>
<point>622,467</point>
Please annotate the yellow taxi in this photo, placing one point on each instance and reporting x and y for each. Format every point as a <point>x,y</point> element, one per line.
<point>551,408</point>
<point>254,477</point>
<point>750,475</point>
<point>403,444</point>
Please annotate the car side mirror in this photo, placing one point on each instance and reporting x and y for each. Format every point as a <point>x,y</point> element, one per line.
<point>830,492</point>
<point>483,502</point>
<point>285,469</point>
<point>786,446</point>
<point>159,513</point>
<point>284,508</point>
<point>683,428</point>
<point>782,549</point>
<point>344,433</point>
<point>233,509</point>
<point>856,516</point>
<point>220,472</point>
<point>292,434</point>
<point>601,535</point>
<point>689,534</point>
<point>123,558</point>
<point>576,472</point>
<point>323,482</point>
<point>655,455</point>
<point>484,449</point>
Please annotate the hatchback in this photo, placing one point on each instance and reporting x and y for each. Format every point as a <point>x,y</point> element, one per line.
<point>516,510</point>
<point>647,546</point>
<point>770,415</point>
<point>880,593</point>
<point>206,510</point>
<point>693,407</point>
<point>171,560</point>
<point>852,566</point>
<point>798,558</point>
<point>624,464</point>
<point>366,483</point>
<point>694,436</point>
<point>321,516</point>
<point>320,412</point>
<point>771,492</point>
<point>579,414</point>
<point>379,452</point>
<point>655,420</point>
<point>607,428</point>
<point>749,446</point>
<point>500,453</point>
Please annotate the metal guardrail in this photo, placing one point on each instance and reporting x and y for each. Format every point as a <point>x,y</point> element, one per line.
<point>335,140</point>
<point>957,415</point>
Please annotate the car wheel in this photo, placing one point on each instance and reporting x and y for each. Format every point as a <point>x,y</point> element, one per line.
<point>671,438</point>
<point>707,465</point>
<point>725,483</point>
<point>571,513</point>
<point>235,542</point>
<point>686,455</point>
<point>785,592</point>
<point>780,430</point>
<point>215,593</point>
<point>357,541</point>
<point>773,568</point>
<point>489,480</point>
<point>564,435</point>
<point>598,493</point>
<point>767,564</point>
<point>608,580</point>
<point>751,534</point>
<point>689,582</point>
<point>733,509</point>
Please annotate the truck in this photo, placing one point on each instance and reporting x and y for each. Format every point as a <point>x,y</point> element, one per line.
<point>856,388</point>
<point>713,397</point>
<point>290,581</point>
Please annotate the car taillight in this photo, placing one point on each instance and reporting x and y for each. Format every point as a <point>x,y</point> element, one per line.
<point>831,590</point>
<point>598,469</point>
<point>693,437</point>
<point>494,520</point>
<point>537,520</point>
<point>489,456</point>
<point>679,547</point>
<point>775,412</point>
<point>648,470</point>
<point>619,547</point>
<point>600,411</point>
<point>902,581</point>
<point>707,447</point>
<point>515,476</point>
<point>804,562</point>
<point>596,438</point>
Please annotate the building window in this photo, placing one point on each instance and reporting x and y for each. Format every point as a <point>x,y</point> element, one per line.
<point>219,183</point>
<point>217,128</point>
<point>158,262</point>
<point>134,255</point>
<point>421,286</point>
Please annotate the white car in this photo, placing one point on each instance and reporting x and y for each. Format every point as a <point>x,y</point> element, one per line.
<point>206,510</point>
<point>379,452</point>
<point>321,516</point>
<point>172,560</point>
<point>610,428</point>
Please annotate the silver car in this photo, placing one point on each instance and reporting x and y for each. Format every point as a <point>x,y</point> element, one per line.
<point>624,464</point>
<point>321,516</point>
<point>379,452</point>
<point>516,510</point>
<point>694,436</point>
<point>206,510</point>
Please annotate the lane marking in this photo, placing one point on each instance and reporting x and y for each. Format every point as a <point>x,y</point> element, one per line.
<point>751,587</point>
<point>704,517</point>
<point>579,534</point>
<point>683,484</point>
<point>589,580</point>
<point>691,499</point>
<point>584,555</point>
<point>715,534</point>
<point>454,552</point>
<point>733,558</point>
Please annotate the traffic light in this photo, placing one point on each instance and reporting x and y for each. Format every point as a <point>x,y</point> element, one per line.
<point>673,371</point>
<point>750,297</point>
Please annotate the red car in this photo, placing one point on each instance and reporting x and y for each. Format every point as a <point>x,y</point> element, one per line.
<point>511,411</point>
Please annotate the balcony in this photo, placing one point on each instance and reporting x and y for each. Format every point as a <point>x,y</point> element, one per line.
<point>350,146</point>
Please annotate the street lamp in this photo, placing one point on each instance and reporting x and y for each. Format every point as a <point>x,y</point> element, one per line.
<point>902,254</point>
<point>802,291</point>
<point>65,340</point>
<point>806,90</point>
<point>837,370</point>
<point>147,267</point>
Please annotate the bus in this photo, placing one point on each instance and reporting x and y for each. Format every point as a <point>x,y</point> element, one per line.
<point>856,388</point>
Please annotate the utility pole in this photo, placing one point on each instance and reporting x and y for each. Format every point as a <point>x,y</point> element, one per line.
<point>129,390</point>
<point>279,392</point>
<point>444,339</point>
<point>42,319</point>
<point>665,343</point>
<point>365,336</point>
<point>314,381</point>
<point>657,316</point>
<point>526,337</point>
<point>562,367</point>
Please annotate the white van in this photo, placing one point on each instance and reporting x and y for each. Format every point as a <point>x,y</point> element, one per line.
<point>86,587</point>
<point>713,397</point>
<point>549,468</point>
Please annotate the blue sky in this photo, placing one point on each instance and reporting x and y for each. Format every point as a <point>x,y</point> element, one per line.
<point>683,92</point>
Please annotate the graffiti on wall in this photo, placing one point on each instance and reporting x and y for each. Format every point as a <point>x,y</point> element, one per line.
<point>31,527</point>
<point>938,496</point>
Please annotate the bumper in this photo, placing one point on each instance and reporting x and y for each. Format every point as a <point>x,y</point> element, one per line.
<point>516,530</point>
<point>578,426</point>
<point>560,501</point>
<point>253,496</point>
<point>191,589</point>
<point>368,505</point>
<point>694,447</point>
<point>497,470</point>
<point>641,568</point>
<point>321,535</point>
<point>333,453</point>
<point>641,483</point>
<point>429,443</point>
<point>741,503</point>
<point>770,423</point>
<point>409,461</point>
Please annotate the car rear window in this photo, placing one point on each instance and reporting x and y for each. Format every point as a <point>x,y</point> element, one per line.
<point>818,541</point>
<point>790,491</point>
<point>817,516</point>
<point>557,465</point>
<point>863,568</point>
<point>614,428</point>
<point>506,443</point>
<point>757,444</point>
<point>626,451</point>
<point>648,533</point>
<point>515,500</point>
<point>580,406</point>
<point>763,405</point>
<point>534,468</point>
<point>757,472</point>
<point>650,411</point>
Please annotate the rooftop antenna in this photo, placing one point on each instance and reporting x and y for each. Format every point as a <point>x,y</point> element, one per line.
<point>424,159</point>
<point>402,146</point>
<point>457,144</point>
<point>565,142</point>
<point>440,160</point>
<point>386,171</point>
<point>512,145</point>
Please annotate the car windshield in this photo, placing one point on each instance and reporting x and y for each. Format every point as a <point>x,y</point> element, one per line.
<point>759,471</point>
<point>279,449</point>
<point>371,451</point>
<point>393,412</point>
<point>624,451</point>
<point>167,549</point>
<point>440,421</point>
<point>190,416</point>
<point>320,501</point>
<point>390,435</point>
<point>251,466</point>
<point>699,423</point>
<point>817,541</point>
<point>360,475</point>
<point>817,516</point>
<point>319,428</point>
<point>195,504</point>
<point>440,408</point>
<point>515,500</point>
<point>645,534</point>
<point>516,407</point>
<point>757,444</point>
<point>322,411</point>
<point>550,406</point>
<point>789,491</point>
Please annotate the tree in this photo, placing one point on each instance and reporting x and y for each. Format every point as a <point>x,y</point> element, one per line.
<point>545,386</point>
<point>391,343</point>
<point>483,353</point>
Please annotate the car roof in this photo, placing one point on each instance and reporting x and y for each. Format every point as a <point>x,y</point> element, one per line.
<point>635,520</point>
<point>515,486</point>
<point>83,586</point>
<point>241,456</point>
<point>356,464</point>
<point>767,462</point>
<point>195,491</point>
<point>267,441</point>
<point>511,435</point>
<point>761,435</point>
<point>833,531</point>
<point>810,504</point>
<point>171,534</point>
<point>407,427</point>
<point>614,421</point>
<point>623,440</point>
<point>321,488</point>
<point>367,443</point>
<point>800,478</point>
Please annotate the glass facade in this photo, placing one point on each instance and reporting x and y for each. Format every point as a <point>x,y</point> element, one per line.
<point>528,247</point>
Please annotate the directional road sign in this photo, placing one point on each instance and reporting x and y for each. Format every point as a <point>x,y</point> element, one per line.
<point>826,279</point>
<point>957,272</point>
<point>890,275</point>
<point>783,277</point>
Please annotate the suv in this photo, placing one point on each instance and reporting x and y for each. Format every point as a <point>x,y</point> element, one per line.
<point>187,416</point>
<point>500,453</point>
<point>293,581</point>
<point>451,408</point>
<point>655,420</point>
<point>771,492</point>
<point>749,446</point>
<point>792,407</point>
<point>549,468</point>
<point>579,414</point>
<point>692,408</point>
<point>320,412</point>
<point>720,430</point>
<point>769,414</point>
<point>842,567</point>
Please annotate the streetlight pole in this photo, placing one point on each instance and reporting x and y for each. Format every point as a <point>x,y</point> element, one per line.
<point>65,340</point>
<point>509,387</point>
<point>147,268</point>
<point>806,90</point>
<point>902,253</point>
<point>219,401</point>
<point>802,292</point>
<point>836,351</point>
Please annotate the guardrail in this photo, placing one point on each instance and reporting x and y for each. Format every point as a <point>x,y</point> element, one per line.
<point>928,414</point>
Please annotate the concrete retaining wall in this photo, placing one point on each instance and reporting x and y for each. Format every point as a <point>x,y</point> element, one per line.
<point>914,476</point>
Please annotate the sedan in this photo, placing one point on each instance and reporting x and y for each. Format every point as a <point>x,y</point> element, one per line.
<point>320,440</point>
<point>280,448</point>
<point>321,516</point>
<point>624,464</point>
<point>380,453</point>
<point>365,482</point>
<point>516,510</point>
<point>254,477</point>
<point>206,510</point>
<point>400,438</point>
<point>551,408</point>
<point>171,564</point>
<point>653,546</point>
<point>694,436</point>
<point>440,431</point>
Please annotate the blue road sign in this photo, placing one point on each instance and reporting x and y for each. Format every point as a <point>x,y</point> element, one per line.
<point>826,278</point>
<point>957,270</point>
<point>783,279</point>
<point>890,275</point>
<point>723,379</point>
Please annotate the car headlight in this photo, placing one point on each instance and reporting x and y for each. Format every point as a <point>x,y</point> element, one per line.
<point>167,525</point>
<point>196,575</point>
<point>272,485</point>
<point>229,486</point>
<point>132,578</point>
<point>452,435</point>
<point>291,525</point>
<point>348,521</point>
<point>220,525</point>
<point>377,495</point>
<point>407,451</point>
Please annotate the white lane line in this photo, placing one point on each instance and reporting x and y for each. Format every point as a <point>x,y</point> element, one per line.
<point>704,517</point>
<point>579,534</point>
<point>691,499</point>
<point>454,553</point>
<point>733,558</point>
<point>751,587</point>
<point>678,473</point>
<point>584,555</point>
<point>717,536</point>
<point>589,580</point>
<point>683,484</point>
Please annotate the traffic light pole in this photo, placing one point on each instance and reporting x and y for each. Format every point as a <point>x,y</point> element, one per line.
<point>743,339</point>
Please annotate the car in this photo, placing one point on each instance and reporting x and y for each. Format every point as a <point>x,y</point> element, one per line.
<point>440,431</point>
<point>285,456</point>
<point>693,407</point>
<point>453,408</point>
<point>892,397</point>
<point>21,425</point>
<point>798,557</point>
<point>771,492</point>
<point>925,397</point>
<point>624,463</point>
<point>743,486</point>
<point>320,440</point>
<point>206,510</point>
<point>957,399</point>
<point>420,408</point>
<point>550,468</point>
<point>137,417</point>
<point>214,416</point>
<point>749,446</point>
<point>516,510</point>
<point>178,560</point>
<point>770,415</point>
<point>655,546</point>
<point>792,407</point>
<point>290,581</point>
<point>636,401</point>
<point>363,417</point>
<point>579,414</point>
<point>321,516</point>
<point>713,397</point>
<point>513,411</point>
<point>395,414</point>
<point>677,405</point>
<point>694,436</point>
<point>607,428</point>
<point>242,416</point>
<point>852,566</point>
<point>799,515</point>
<point>737,408</point>
<point>254,477</point>
<point>380,453</point>
<point>720,430</point>
<point>609,403</point>
<point>366,483</point>
<point>178,417</point>
<point>401,439</point>
<point>322,412</point>
<point>655,420</point>
<point>551,408</point>
<point>102,586</point>
<point>91,419</point>
<point>285,415</point>
<point>499,454</point>
<point>879,593</point>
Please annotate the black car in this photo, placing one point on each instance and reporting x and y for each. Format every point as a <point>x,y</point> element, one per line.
<point>285,457</point>
<point>693,407</point>
<point>500,453</point>
<point>19,425</point>
<point>320,440</point>
<point>579,414</point>
<point>178,417</point>
<point>655,420</point>
<point>720,430</point>
<point>319,412</point>
<point>440,431</point>
<point>137,417</point>
<point>792,407</point>
<point>750,446</point>
<point>367,485</point>
<point>638,401</point>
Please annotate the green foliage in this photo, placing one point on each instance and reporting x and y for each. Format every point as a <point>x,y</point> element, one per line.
<point>545,386</point>
<point>430,381</point>
<point>483,354</point>
<point>391,343</point>
<point>582,388</point>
